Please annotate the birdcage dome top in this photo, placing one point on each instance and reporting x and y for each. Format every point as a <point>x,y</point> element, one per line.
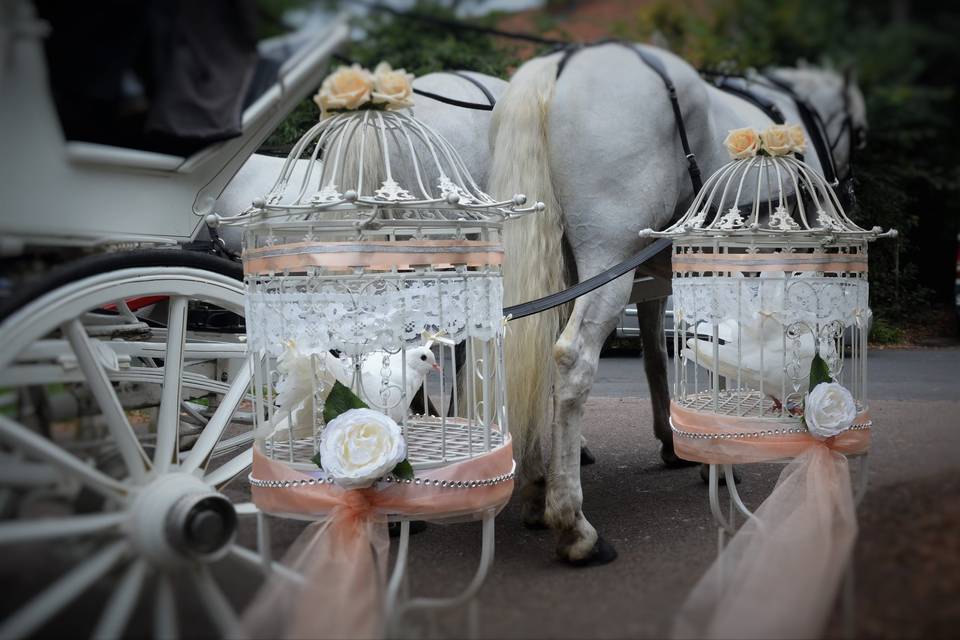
<point>373,166</point>
<point>767,197</point>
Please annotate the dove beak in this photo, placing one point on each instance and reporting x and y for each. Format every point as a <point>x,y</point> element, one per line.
<point>436,367</point>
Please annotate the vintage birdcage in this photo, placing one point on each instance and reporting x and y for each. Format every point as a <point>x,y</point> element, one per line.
<point>373,273</point>
<point>771,316</point>
<point>768,271</point>
<point>375,262</point>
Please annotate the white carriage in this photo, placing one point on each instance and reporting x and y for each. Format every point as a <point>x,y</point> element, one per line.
<point>123,372</point>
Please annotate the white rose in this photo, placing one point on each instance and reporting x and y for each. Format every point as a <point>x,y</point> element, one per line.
<point>829,410</point>
<point>394,88</point>
<point>798,140</point>
<point>359,446</point>
<point>776,140</point>
<point>346,88</point>
<point>742,143</point>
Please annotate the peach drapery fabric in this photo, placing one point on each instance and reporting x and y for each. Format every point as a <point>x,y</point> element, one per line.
<point>343,556</point>
<point>779,575</point>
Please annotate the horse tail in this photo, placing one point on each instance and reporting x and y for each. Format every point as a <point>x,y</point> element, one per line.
<point>534,262</point>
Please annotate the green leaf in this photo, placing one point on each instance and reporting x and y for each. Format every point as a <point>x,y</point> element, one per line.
<point>403,470</point>
<point>316,460</point>
<point>819,371</point>
<point>341,399</point>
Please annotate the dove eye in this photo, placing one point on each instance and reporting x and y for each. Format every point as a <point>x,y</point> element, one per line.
<point>423,358</point>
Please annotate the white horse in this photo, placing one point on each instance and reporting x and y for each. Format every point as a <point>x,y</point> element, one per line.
<point>599,145</point>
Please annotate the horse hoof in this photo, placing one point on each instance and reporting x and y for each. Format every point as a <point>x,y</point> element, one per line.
<point>586,457</point>
<point>416,526</point>
<point>672,461</point>
<point>705,475</point>
<point>602,553</point>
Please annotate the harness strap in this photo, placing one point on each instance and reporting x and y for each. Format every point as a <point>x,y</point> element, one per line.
<point>769,107</point>
<point>479,106</point>
<point>814,124</point>
<point>654,63</point>
<point>582,288</point>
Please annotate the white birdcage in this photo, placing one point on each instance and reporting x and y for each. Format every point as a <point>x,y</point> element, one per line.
<point>767,272</point>
<point>771,316</point>
<point>375,262</point>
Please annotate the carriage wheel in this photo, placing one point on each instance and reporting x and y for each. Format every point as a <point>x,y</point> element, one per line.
<point>133,488</point>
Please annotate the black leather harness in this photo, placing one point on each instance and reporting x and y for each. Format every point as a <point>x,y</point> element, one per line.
<point>813,123</point>
<point>490,104</point>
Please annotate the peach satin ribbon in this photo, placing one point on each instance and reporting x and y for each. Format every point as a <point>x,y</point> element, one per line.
<point>779,575</point>
<point>343,557</point>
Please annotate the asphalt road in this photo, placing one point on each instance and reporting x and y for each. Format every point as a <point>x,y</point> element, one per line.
<point>907,559</point>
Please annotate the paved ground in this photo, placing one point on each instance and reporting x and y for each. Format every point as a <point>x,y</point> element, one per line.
<point>908,558</point>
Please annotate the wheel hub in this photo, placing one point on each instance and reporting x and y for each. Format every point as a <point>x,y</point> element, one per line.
<point>178,518</point>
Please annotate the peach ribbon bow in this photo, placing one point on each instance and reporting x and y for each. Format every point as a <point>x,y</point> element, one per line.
<point>779,575</point>
<point>342,558</point>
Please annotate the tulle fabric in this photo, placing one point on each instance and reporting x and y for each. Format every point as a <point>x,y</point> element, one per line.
<point>779,575</point>
<point>343,557</point>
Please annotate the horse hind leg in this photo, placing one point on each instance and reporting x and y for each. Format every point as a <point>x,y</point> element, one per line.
<point>650,321</point>
<point>577,354</point>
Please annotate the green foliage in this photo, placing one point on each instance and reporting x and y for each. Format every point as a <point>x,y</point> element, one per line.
<point>418,47</point>
<point>882,332</point>
<point>403,470</point>
<point>340,400</point>
<point>819,371</point>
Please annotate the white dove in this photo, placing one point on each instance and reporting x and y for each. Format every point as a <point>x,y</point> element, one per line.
<point>295,390</point>
<point>759,329</point>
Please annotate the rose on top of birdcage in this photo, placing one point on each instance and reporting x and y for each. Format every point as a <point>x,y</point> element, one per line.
<point>354,87</point>
<point>775,140</point>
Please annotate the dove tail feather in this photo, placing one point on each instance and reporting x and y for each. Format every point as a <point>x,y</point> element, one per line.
<point>534,261</point>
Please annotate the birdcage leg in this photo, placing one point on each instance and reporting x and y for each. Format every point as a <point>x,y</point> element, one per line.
<point>470,592</point>
<point>397,591</point>
<point>263,542</point>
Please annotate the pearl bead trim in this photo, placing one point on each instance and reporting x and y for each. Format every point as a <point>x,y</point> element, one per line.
<point>425,482</point>
<point>755,434</point>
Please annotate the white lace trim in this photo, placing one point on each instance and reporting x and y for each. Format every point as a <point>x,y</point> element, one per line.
<point>811,300</point>
<point>356,315</point>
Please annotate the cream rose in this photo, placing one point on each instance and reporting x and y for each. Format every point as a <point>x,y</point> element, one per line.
<point>359,446</point>
<point>798,139</point>
<point>776,140</point>
<point>829,410</point>
<point>742,143</point>
<point>346,88</point>
<point>393,88</point>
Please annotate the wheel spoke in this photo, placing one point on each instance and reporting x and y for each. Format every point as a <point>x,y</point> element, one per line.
<point>168,418</point>
<point>254,560</point>
<point>229,470</point>
<point>52,528</point>
<point>219,420</point>
<point>216,603</point>
<point>47,604</point>
<point>113,413</point>
<point>39,447</point>
<point>122,601</point>
<point>165,614</point>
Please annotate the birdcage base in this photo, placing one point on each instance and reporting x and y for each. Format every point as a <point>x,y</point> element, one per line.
<point>431,442</point>
<point>739,402</point>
